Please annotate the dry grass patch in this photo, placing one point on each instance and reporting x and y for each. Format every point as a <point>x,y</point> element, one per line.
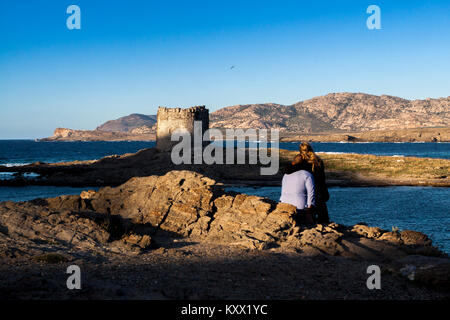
<point>381,166</point>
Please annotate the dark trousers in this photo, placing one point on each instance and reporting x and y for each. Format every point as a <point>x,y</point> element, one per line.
<point>322,213</point>
<point>306,216</point>
<point>317,214</point>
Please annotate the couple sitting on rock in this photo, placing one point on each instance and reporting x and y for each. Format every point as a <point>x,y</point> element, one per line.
<point>304,186</point>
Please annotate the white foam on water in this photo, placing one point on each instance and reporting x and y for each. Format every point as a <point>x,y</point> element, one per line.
<point>13,164</point>
<point>333,152</point>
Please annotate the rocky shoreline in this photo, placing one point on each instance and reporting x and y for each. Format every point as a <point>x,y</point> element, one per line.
<point>180,235</point>
<point>64,134</point>
<point>400,135</point>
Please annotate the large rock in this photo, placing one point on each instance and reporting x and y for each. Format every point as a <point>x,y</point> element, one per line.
<point>173,202</point>
<point>366,231</point>
<point>33,227</point>
<point>130,217</point>
<point>251,221</point>
<point>185,203</point>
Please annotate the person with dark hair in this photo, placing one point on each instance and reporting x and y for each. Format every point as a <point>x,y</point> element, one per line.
<point>309,159</point>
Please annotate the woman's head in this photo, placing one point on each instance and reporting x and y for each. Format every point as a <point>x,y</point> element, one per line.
<point>307,153</point>
<point>305,148</point>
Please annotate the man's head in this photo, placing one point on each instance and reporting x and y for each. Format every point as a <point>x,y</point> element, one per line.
<point>297,160</point>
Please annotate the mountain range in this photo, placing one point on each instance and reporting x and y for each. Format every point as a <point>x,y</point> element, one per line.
<point>334,112</point>
<point>332,117</point>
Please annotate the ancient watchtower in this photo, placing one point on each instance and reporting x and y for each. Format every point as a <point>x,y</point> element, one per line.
<point>171,119</point>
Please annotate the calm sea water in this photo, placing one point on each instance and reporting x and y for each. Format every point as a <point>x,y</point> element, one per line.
<point>15,152</point>
<point>422,150</point>
<point>417,208</point>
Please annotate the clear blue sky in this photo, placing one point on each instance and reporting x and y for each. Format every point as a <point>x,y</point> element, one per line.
<point>132,56</point>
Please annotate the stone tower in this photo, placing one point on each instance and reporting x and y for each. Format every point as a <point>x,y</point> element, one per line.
<point>171,119</point>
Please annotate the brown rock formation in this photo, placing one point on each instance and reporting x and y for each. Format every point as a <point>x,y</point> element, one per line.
<point>59,225</point>
<point>397,135</point>
<point>230,237</point>
<point>63,134</point>
<point>187,204</point>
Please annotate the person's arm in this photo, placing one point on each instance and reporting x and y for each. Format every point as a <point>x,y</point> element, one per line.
<point>321,184</point>
<point>310,191</point>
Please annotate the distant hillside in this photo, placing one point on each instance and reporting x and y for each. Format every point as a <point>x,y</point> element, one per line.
<point>338,112</point>
<point>332,112</point>
<point>64,134</point>
<point>128,123</point>
<point>266,116</point>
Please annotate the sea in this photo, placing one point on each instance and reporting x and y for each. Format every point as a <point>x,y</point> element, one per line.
<point>425,209</point>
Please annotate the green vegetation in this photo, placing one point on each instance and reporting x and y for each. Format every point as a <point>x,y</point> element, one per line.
<point>381,167</point>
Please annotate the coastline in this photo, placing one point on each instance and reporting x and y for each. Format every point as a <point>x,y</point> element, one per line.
<point>344,170</point>
<point>164,224</point>
<point>161,232</point>
<point>400,135</point>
